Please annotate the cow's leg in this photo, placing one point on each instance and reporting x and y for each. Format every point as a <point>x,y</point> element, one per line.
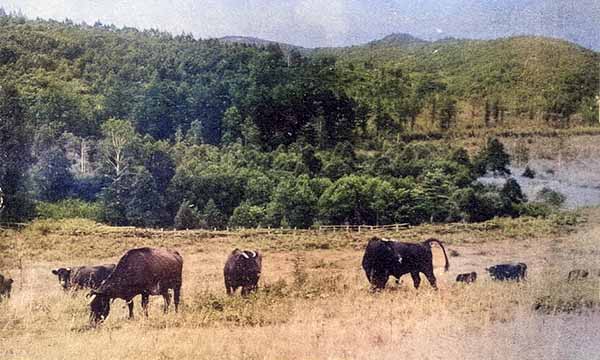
<point>245,290</point>
<point>176,296</point>
<point>416,279</point>
<point>430,276</point>
<point>228,287</point>
<point>130,307</point>
<point>167,300</point>
<point>145,299</point>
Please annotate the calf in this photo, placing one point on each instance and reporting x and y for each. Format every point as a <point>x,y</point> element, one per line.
<point>5,286</point>
<point>509,271</point>
<point>242,269</point>
<point>467,277</point>
<point>83,276</point>
<point>578,274</point>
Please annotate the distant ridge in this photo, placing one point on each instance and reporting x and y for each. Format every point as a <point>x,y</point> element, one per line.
<point>399,40</point>
<point>250,40</point>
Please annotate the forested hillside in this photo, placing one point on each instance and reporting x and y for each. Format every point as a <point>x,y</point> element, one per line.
<point>148,129</point>
<point>527,76</point>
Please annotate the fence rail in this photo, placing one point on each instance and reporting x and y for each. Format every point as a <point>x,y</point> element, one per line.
<point>360,228</point>
<point>17,226</point>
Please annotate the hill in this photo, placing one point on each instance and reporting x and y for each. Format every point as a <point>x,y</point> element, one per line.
<point>162,130</point>
<point>526,74</point>
<point>254,41</point>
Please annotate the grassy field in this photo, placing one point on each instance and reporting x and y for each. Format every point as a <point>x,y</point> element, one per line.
<point>314,301</point>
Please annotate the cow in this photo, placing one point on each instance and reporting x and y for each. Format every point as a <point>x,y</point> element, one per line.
<point>81,277</point>
<point>242,269</point>
<point>144,271</point>
<point>5,286</point>
<point>384,257</point>
<point>578,274</point>
<point>467,278</point>
<point>509,271</point>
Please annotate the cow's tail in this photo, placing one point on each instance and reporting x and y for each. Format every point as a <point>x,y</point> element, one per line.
<point>429,241</point>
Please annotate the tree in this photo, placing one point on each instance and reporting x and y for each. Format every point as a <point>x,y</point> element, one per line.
<point>492,158</point>
<point>213,217</point>
<point>447,113</point>
<point>52,176</point>
<point>187,217</point>
<point>117,142</point>
<point>248,216</point>
<point>15,155</point>
<point>294,202</point>
<point>144,205</point>
<point>232,124</point>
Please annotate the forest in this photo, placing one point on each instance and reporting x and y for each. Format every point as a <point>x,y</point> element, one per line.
<point>150,129</point>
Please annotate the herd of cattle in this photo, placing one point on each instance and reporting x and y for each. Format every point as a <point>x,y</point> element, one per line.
<point>148,271</point>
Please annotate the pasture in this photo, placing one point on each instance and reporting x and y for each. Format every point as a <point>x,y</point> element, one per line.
<point>314,300</point>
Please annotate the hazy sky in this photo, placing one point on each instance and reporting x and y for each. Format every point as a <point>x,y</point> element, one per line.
<point>312,23</point>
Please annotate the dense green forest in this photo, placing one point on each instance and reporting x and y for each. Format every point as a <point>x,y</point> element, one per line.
<point>149,129</point>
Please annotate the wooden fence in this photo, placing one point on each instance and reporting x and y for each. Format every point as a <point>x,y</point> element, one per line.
<point>359,228</point>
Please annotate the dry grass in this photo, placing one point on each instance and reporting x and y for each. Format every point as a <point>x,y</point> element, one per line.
<point>314,300</point>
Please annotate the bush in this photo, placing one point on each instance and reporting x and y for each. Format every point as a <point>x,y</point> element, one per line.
<point>68,209</point>
<point>551,197</point>
<point>534,210</point>
<point>248,216</point>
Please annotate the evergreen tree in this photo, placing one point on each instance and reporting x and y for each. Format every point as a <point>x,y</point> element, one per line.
<point>187,217</point>
<point>213,217</point>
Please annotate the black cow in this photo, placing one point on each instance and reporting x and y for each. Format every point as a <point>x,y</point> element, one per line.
<point>81,277</point>
<point>242,269</point>
<point>467,277</point>
<point>5,286</point>
<point>144,271</point>
<point>510,271</point>
<point>384,257</point>
<point>578,274</point>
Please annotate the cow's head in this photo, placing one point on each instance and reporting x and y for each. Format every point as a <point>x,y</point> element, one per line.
<point>385,261</point>
<point>64,277</point>
<point>99,307</point>
<point>250,261</point>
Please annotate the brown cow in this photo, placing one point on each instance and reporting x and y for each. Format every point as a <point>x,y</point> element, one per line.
<point>143,271</point>
<point>242,268</point>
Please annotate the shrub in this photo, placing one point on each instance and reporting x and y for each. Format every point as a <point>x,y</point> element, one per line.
<point>248,216</point>
<point>68,209</point>
<point>551,197</point>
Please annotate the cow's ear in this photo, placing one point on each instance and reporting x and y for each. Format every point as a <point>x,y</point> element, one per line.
<point>54,272</point>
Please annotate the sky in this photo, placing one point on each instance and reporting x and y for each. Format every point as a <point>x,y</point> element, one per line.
<point>320,23</point>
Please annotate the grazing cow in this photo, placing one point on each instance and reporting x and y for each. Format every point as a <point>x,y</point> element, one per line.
<point>578,274</point>
<point>83,276</point>
<point>384,257</point>
<point>144,271</point>
<point>511,271</point>
<point>5,286</point>
<point>467,277</point>
<point>242,268</point>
